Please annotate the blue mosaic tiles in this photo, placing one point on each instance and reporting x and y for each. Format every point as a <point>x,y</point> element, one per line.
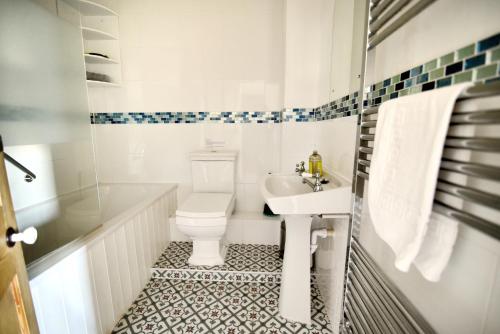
<point>186,117</point>
<point>477,62</point>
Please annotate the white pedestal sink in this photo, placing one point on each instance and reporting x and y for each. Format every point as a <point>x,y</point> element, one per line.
<point>289,196</point>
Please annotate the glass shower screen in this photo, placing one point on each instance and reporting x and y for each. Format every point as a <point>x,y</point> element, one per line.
<point>45,124</point>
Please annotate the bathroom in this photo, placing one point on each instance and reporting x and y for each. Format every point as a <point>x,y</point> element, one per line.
<point>187,166</point>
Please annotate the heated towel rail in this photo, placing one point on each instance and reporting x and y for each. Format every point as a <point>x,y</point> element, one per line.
<point>372,303</point>
<point>453,166</point>
<point>387,16</point>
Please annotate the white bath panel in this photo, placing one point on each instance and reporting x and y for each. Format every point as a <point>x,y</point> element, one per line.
<point>102,285</point>
<point>133,265</point>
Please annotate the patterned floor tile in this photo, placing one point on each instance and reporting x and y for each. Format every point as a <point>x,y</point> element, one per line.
<point>176,306</point>
<point>239,258</point>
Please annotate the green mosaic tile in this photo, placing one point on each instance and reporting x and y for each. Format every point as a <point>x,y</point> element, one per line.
<point>385,98</point>
<point>390,89</point>
<point>462,77</point>
<point>403,92</point>
<point>486,71</point>
<point>465,52</point>
<point>395,79</point>
<point>379,85</point>
<point>495,54</point>
<point>438,73</point>
<point>429,66</point>
<point>415,89</point>
<point>447,59</point>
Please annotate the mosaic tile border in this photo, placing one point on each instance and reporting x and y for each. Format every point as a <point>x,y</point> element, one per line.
<point>186,117</point>
<point>476,62</point>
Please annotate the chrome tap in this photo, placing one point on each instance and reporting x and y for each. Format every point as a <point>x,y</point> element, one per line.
<point>300,168</point>
<point>316,185</point>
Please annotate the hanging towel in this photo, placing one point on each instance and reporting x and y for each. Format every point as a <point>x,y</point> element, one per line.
<point>408,146</point>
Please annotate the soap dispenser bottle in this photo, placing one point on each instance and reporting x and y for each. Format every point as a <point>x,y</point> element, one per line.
<point>315,163</point>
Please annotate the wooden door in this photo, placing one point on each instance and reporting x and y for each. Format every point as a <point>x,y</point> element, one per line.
<point>17,314</point>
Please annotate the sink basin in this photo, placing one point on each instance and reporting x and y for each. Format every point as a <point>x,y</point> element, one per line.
<point>287,194</point>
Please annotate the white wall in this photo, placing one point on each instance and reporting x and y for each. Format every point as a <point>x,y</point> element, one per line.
<point>194,55</point>
<point>307,52</point>
<point>445,26</point>
<point>466,298</point>
<point>334,139</point>
<point>160,153</point>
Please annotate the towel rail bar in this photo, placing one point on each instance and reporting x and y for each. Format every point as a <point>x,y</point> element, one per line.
<point>367,137</point>
<point>378,22</point>
<point>404,312</point>
<point>475,144</point>
<point>469,194</point>
<point>367,150</point>
<point>364,162</point>
<point>376,36</point>
<point>355,310</point>
<point>369,124</point>
<point>484,117</point>
<point>363,309</point>
<point>366,295</point>
<point>482,171</point>
<point>480,144</point>
<point>480,224</point>
<point>377,296</point>
<point>377,10</point>
<point>355,320</point>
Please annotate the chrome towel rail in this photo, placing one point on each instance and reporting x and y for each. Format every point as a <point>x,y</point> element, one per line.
<point>374,303</point>
<point>386,11</point>
<point>446,185</point>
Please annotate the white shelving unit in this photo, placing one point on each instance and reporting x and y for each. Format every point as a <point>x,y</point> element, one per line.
<point>93,59</point>
<point>99,24</point>
<point>92,8</point>
<point>95,83</point>
<point>91,34</point>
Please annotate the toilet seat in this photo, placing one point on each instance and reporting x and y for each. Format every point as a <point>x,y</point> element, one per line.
<point>202,208</point>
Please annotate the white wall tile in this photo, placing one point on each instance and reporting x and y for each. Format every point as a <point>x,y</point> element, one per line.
<point>184,58</point>
<point>431,34</point>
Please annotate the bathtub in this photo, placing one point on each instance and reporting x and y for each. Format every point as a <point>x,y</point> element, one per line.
<point>87,284</point>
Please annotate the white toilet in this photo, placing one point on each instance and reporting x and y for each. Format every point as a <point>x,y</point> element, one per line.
<point>204,214</point>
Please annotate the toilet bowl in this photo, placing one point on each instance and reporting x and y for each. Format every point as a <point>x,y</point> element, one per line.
<point>203,218</point>
<point>204,214</point>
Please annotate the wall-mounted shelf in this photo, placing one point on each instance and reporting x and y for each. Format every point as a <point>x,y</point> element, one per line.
<point>90,34</point>
<point>91,8</point>
<point>91,59</point>
<point>94,83</point>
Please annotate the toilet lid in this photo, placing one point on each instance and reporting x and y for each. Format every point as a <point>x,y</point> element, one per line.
<point>205,205</point>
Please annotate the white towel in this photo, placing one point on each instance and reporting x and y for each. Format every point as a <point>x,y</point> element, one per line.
<point>408,146</point>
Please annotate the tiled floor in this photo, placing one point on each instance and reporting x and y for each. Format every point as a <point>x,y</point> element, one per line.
<point>174,306</point>
<point>239,257</point>
<point>240,296</point>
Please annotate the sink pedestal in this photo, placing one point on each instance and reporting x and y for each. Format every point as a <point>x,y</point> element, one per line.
<point>295,291</point>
